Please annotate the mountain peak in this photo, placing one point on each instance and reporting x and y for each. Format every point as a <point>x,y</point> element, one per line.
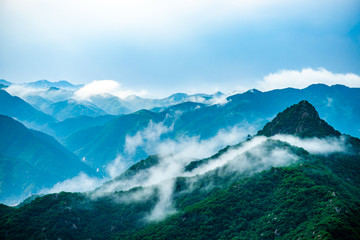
<point>300,119</point>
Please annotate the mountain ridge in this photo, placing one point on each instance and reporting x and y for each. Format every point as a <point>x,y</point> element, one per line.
<point>301,120</point>
<point>39,154</point>
<point>312,196</point>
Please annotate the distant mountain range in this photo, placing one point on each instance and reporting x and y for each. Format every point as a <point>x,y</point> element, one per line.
<point>47,84</point>
<point>85,128</point>
<point>71,108</point>
<point>269,186</point>
<point>184,115</point>
<point>41,94</point>
<point>17,108</point>
<point>4,82</point>
<point>337,104</point>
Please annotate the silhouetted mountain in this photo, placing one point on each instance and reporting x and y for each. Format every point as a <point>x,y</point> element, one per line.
<point>300,120</point>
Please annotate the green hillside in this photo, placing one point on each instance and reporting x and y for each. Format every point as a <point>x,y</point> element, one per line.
<point>307,197</point>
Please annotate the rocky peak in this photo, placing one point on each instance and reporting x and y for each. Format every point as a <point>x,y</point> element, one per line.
<point>301,120</point>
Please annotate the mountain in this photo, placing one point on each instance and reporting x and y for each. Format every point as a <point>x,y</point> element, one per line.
<point>108,140</point>
<point>33,160</point>
<point>70,126</point>
<point>21,110</point>
<point>38,102</point>
<point>90,143</point>
<point>248,111</point>
<point>47,84</point>
<point>300,120</point>
<point>41,94</point>
<point>259,189</point>
<point>181,107</point>
<point>336,104</point>
<point>72,108</point>
<point>19,179</point>
<point>4,82</point>
<point>112,105</point>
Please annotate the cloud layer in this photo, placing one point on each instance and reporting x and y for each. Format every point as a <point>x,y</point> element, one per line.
<point>250,157</point>
<point>305,77</point>
<point>79,183</point>
<point>103,87</point>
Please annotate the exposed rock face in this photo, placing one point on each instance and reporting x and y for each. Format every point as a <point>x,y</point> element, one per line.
<point>301,120</point>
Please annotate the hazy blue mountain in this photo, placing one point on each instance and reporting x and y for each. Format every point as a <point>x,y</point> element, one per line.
<point>311,196</point>
<point>136,103</point>
<point>107,141</point>
<point>40,98</point>
<point>337,104</point>
<point>181,107</point>
<point>47,84</point>
<point>19,179</point>
<point>72,125</point>
<point>55,94</point>
<point>23,111</point>
<point>42,93</point>
<point>24,150</point>
<point>38,102</point>
<point>73,108</point>
<point>111,104</point>
<point>100,145</point>
<point>114,105</point>
<point>4,82</point>
<point>250,109</point>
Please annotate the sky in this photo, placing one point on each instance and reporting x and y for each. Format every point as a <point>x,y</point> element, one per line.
<point>163,46</point>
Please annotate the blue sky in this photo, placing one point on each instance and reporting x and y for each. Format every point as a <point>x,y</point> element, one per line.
<point>169,46</point>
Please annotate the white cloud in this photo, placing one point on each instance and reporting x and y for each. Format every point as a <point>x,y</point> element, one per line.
<point>174,156</point>
<point>305,77</point>
<point>315,145</point>
<point>116,167</point>
<point>79,183</point>
<point>102,87</point>
<point>23,91</point>
<point>148,137</point>
<point>249,157</point>
<point>214,100</point>
<point>164,207</point>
